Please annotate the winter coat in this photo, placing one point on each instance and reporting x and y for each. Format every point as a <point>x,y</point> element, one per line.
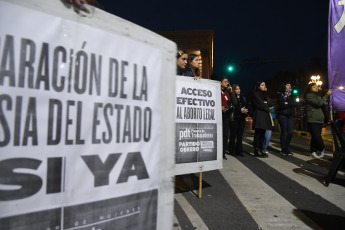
<point>240,103</point>
<point>261,115</point>
<point>179,72</point>
<point>313,107</point>
<point>286,109</point>
<point>229,100</point>
<point>225,98</point>
<point>187,72</point>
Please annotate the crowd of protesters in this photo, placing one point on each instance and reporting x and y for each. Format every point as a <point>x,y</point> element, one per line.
<point>235,108</point>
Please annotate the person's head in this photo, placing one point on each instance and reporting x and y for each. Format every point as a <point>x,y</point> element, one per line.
<point>288,86</point>
<point>236,88</point>
<point>193,61</point>
<point>261,86</point>
<point>224,82</point>
<point>311,87</point>
<point>181,59</point>
<point>193,64</point>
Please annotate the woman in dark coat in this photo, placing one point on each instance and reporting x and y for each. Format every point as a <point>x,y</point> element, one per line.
<point>237,121</point>
<point>286,108</point>
<point>262,119</point>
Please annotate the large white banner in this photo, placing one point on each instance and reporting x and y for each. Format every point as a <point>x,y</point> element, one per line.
<point>198,125</point>
<point>80,124</point>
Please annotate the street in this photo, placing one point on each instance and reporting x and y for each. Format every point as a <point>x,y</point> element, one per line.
<point>278,192</point>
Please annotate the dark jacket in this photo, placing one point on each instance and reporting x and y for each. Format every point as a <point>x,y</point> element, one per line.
<point>313,107</point>
<point>261,114</point>
<point>240,103</point>
<point>187,72</point>
<point>225,98</point>
<point>179,72</point>
<point>286,109</point>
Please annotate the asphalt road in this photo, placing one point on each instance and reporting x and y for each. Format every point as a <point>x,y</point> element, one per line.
<point>278,192</point>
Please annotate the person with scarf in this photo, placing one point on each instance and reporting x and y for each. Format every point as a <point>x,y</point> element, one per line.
<point>286,106</point>
<point>262,119</point>
<point>315,118</point>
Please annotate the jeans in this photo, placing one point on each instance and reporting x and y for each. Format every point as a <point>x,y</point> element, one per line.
<point>316,142</point>
<point>286,126</point>
<point>268,134</point>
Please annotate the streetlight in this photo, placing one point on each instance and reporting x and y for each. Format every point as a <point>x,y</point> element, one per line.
<point>316,80</point>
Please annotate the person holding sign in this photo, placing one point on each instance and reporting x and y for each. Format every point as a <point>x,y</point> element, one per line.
<point>181,62</point>
<point>181,65</point>
<point>315,118</point>
<point>192,68</point>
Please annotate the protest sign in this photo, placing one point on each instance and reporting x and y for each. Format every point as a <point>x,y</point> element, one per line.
<point>198,125</point>
<point>83,143</point>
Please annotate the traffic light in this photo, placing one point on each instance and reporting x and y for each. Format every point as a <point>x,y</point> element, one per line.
<point>230,68</point>
<point>295,91</point>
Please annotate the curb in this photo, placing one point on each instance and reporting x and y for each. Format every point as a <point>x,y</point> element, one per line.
<point>307,134</point>
<point>301,133</point>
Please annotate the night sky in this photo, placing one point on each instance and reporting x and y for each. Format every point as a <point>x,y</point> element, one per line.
<point>294,30</point>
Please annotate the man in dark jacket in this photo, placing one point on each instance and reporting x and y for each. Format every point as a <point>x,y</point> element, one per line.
<point>226,106</point>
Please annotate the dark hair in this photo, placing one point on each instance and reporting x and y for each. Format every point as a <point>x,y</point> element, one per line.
<point>235,85</point>
<point>282,87</point>
<point>257,86</point>
<point>180,53</point>
<point>308,88</point>
<point>223,78</point>
<point>195,71</point>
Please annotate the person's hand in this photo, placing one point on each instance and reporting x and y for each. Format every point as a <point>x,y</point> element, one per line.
<point>329,92</point>
<point>286,103</point>
<point>229,88</point>
<point>265,102</point>
<point>224,109</point>
<point>76,2</point>
<point>244,110</point>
